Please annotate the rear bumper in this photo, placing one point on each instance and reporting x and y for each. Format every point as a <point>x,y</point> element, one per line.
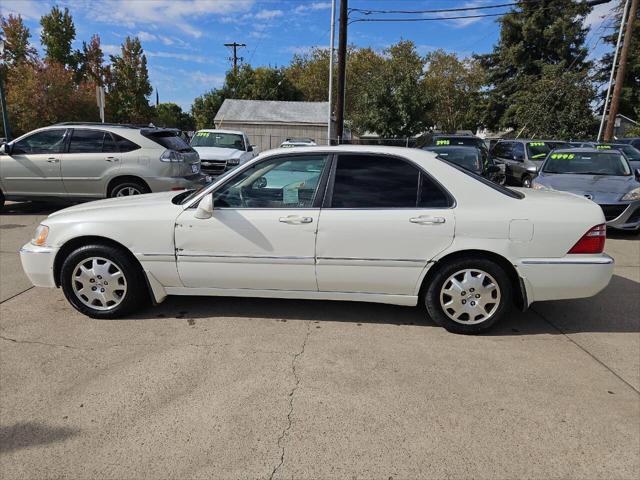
<point>577,276</point>
<point>37,263</point>
<point>163,184</point>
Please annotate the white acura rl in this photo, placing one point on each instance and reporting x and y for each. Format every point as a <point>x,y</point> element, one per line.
<point>373,224</point>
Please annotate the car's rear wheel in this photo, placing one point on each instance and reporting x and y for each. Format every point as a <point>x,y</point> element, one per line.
<point>526,181</point>
<point>127,188</point>
<point>468,295</point>
<point>102,281</point>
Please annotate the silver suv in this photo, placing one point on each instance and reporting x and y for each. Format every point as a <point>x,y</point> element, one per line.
<point>96,160</point>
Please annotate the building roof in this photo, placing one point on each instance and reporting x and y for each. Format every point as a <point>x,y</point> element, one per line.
<point>272,111</point>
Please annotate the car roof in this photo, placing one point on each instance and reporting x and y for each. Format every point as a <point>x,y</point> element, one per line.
<point>532,140</point>
<point>449,147</point>
<point>579,150</point>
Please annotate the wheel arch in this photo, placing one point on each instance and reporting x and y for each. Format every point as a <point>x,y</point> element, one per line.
<point>520,293</point>
<point>124,178</point>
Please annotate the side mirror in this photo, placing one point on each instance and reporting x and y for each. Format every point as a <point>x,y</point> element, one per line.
<point>205,208</point>
<point>250,148</point>
<point>6,148</point>
<point>637,174</point>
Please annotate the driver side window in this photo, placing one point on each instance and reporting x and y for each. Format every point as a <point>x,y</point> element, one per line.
<point>285,182</point>
<point>43,142</point>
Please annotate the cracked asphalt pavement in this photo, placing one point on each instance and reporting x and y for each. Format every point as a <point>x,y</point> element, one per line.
<point>261,388</point>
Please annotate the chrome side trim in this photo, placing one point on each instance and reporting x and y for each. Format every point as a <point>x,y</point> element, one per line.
<point>363,259</point>
<point>371,262</point>
<point>235,258</point>
<point>604,260</point>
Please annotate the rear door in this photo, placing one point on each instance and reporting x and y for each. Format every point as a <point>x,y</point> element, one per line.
<point>33,168</point>
<point>382,221</point>
<point>92,158</point>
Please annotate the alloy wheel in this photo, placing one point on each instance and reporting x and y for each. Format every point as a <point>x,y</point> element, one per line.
<point>99,283</point>
<point>126,191</point>
<point>470,296</point>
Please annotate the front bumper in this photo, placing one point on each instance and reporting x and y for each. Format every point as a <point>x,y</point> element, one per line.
<point>164,184</point>
<point>37,263</point>
<point>629,219</point>
<point>573,276</point>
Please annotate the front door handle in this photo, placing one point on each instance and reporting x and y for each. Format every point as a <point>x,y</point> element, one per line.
<point>53,160</point>
<point>295,219</point>
<point>111,159</point>
<point>427,220</point>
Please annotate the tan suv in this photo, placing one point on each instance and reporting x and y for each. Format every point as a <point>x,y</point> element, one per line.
<point>87,161</point>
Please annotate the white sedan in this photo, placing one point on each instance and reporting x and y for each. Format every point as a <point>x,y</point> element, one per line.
<point>372,224</point>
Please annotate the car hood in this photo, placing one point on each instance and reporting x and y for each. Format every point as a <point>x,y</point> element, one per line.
<point>583,184</point>
<point>217,153</point>
<point>146,201</point>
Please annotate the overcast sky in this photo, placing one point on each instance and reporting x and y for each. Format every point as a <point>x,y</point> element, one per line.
<point>183,39</point>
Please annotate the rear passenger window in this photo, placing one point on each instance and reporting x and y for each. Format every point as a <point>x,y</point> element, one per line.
<point>370,181</point>
<point>125,145</point>
<point>86,141</point>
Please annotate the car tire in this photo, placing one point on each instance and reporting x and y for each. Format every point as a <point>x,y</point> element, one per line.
<point>86,273</point>
<point>128,188</point>
<point>526,181</point>
<point>1,200</point>
<point>482,301</point>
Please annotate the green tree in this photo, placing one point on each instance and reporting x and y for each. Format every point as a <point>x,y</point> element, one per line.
<point>533,36</point>
<point>16,35</point>
<point>630,95</point>
<point>43,93</point>
<point>129,85</point>
<point>205,107</point>
<point>393,104</point>
<point>171,115</point>
<point>454,86</point>
<point>58,33</point>
<point>91,66</point>
<point>261,83</point>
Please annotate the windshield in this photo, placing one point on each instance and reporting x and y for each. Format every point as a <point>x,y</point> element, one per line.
<point>468,158</point>
<point>216,139</point>
<point>600,163</point>
<point>538,150</point>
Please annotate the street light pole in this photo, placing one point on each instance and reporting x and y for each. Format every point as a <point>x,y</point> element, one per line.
<point>333,29</point>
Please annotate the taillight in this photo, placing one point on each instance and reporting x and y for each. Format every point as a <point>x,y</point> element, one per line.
<point>592,241</point>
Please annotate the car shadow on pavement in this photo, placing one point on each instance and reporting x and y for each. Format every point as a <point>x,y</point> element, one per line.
<point>30,434</point>
<point>33,208</point>
<point>613,310</point>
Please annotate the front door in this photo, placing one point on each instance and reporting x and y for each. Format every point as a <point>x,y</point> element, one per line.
<point>91,160</point>
<point>382,222</point>
<point>263,229</point>
<point>33,168</point>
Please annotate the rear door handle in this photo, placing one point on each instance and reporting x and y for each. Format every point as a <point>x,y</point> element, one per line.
<point>295,219</point>
<point>53,160</point>
<point>426,220</point>
<point>111,159</point>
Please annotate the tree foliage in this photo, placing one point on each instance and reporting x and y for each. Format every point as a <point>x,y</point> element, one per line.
<point>91,66</point>
<point>534,37</point>
<point>129,86</point>
<point>58,33</point>
<point>17,47</point>
<point>171,115</point>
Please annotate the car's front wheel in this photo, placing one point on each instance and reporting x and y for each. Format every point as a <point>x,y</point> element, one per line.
<point>102,281</point>
<point>468,295</point>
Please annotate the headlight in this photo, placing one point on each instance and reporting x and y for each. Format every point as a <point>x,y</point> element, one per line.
<point>40,237</point>
<point>539,186</point>
<point>632,195</point>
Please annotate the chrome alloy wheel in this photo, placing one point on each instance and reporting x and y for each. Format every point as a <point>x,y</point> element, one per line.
<point>99,283</point>
<point>470,296</point>
<point>127,191</point>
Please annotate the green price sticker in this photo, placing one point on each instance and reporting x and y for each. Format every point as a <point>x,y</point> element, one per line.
<point>536,144</point>
<point>442,142</point>
<point>603,147</point>
<point>562,156</point>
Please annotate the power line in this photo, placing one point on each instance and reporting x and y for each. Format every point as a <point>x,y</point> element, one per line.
<point>425,19</point>
<point>367,11</point>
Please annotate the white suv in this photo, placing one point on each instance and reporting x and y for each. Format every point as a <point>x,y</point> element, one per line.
<point>96,160</point>
<point>222,150</point>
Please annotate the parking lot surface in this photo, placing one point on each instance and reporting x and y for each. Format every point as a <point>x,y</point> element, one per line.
<point>262,388</point>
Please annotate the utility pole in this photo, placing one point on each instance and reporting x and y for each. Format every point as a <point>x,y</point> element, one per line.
<point>617,89</point>
<point>235,58</point>
<point>3,103</point>
<point>333,29</point>
<point>342,69</point>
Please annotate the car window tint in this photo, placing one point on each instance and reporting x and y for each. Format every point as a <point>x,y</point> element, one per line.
<point>518,150</point>
<point>370,181</point>
<point>431,195</point>
<point>86,141</point>
<point>46,141</point>
<point>109,145</point>
<point>503,149</point>
<point>285,182</point>
<point>125,145</point>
